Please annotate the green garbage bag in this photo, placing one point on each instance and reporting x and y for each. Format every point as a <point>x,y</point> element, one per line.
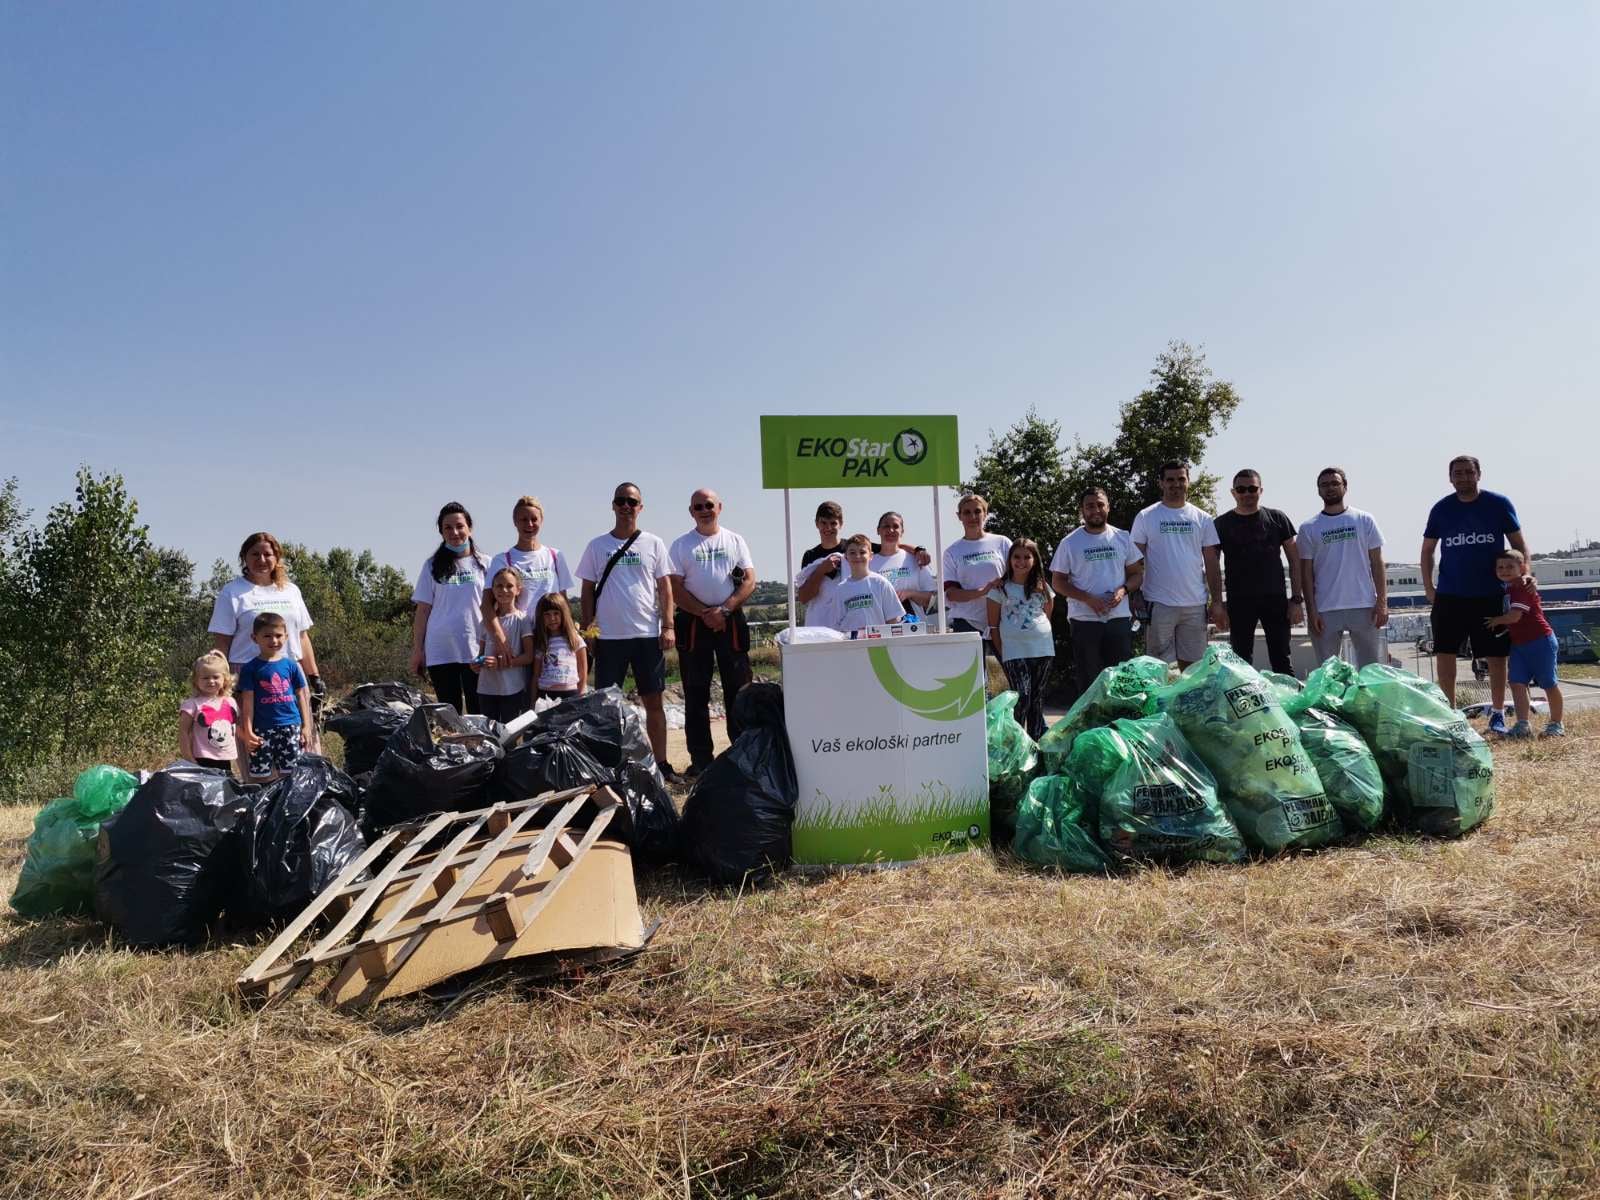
<point>1283,686</point>
<point>1324,688</point>
<point>1054,828</point>
<point>1438,769</point>
<point>1119,691</point>
<point>1013,761</point>
<point>1267,782</point>
<point>1349,773</point>
<point>58,872</point>
<point>1154,799</point>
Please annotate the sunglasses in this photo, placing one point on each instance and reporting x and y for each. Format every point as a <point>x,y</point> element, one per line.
<point>625,502</point>
<point>704,506</point>
<point>1247,489</point>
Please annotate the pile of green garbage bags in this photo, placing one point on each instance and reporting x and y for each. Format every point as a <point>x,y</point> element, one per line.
<point>1224,761</point>
<point>58,872</point>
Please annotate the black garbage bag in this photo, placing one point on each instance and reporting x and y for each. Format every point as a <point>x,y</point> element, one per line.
<point>297,835</point>
<point>167,865</point>
<point>368,717</point>
<point>608,726</point>
<point>601,739</point>
<point>365,733</point>
<point>436,763</point>
<point>736,821</point>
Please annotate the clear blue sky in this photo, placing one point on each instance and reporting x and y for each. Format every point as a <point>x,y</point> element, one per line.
<point>320,267</point>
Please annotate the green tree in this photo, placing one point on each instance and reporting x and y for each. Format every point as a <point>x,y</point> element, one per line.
<point>1033,483</point>
<point>362,610</point>
<point>89,608</point>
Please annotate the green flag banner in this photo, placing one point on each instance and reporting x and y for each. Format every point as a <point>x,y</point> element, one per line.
<point>855,451</point>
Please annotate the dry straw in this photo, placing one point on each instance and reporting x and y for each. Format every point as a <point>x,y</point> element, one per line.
<point>1404,1018</point>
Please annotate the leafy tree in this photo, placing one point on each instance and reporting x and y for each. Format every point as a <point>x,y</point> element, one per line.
<point>362,610</point>
<point>1033,483</point>
<point>89,608</point>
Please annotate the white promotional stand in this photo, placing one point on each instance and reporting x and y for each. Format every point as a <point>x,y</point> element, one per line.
<point>887,733</point>
<point>888,742</point>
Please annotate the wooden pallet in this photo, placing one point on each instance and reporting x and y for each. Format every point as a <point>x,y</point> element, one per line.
<point>460,891</point>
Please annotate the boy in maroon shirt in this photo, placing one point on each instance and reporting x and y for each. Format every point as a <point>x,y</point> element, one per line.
<point>1533,645</point>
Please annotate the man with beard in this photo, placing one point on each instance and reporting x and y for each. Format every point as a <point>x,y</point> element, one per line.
<point>1094,568</point>
<point>1342,576</point>
<point>1181,570</point>
<point>1254,543</point>
<point>1472,526</point>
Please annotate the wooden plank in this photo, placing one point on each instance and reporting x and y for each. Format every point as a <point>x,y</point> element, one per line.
<point>326,898</point>
<point>375,889</point>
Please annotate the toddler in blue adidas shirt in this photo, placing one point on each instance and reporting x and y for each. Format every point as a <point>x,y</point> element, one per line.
<point>274,704</point>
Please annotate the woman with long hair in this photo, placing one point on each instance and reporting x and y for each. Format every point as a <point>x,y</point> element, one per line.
<point>446,632</point>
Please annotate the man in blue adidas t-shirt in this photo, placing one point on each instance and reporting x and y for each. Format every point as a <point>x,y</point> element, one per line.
<point>1470,528</point>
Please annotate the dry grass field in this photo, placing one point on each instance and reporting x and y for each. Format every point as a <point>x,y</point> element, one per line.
<point>1405,1018</point>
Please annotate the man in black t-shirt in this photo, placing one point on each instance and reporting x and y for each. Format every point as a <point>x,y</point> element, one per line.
<point>1254,541</point>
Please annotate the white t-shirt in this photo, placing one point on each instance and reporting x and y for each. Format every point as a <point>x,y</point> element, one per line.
<point>542,570</point>
<point>558,666</point>
<point>508,681</point>
<point>628,607</point>
<point>455,626</point>
<point>1024,627</point>
<point>822,610</point>
<point>706,563</point>
<point>969,564</point>
<point>867,601</point>
<point>1174,565</point>
<point>903,573</point>
<point>1095,563</point>
<point>240,602</point>
<point>1337,547</point>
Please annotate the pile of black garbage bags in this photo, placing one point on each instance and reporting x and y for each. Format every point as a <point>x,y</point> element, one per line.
<point>194,847</point>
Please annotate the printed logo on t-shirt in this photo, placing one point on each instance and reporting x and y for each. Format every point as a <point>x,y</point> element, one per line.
<point>630,559</point>
<point>1101,554</point>
<point>1345,533</point>
<point>981,556</point>
<point>710,555</point>
<point>1472,539</point>
<point>1183,528</point>
<point>274,689</point>
<point>854,602</point>
<point>460,579</point>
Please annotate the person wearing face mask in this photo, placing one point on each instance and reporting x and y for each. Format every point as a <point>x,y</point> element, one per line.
<point>1179,544</point>
<point>1094,568</point>
<point>1342,575</point>
<point>446,636</point>
<point>1255,541</point>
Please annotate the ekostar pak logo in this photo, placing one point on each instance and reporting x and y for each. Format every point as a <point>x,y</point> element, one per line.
<point>910,447</point>
<point>955,699</point>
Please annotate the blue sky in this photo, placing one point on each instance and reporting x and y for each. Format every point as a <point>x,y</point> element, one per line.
<point>318,268</point>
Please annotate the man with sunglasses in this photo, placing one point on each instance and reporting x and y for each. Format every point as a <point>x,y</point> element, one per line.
<point>712,576</point>
<point>626,588</point>
<point>1342,575</point>
<point>1254,542</point>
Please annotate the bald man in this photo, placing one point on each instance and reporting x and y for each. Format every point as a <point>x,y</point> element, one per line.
<point>712,577</point>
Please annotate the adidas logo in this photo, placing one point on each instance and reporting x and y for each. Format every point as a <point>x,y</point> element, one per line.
<point>1473,539</point>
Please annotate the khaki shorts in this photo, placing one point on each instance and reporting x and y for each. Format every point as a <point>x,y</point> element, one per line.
<point>1176,632</point>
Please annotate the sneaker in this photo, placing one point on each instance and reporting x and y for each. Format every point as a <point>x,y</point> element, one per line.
<point>1520,730</point>
<point>1553,729</point>
<point>1497,722</point>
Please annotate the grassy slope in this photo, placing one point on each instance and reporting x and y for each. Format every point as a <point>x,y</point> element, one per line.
<point>1404,1018</point>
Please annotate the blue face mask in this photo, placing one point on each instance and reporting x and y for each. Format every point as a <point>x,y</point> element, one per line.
<point>459,547</point>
